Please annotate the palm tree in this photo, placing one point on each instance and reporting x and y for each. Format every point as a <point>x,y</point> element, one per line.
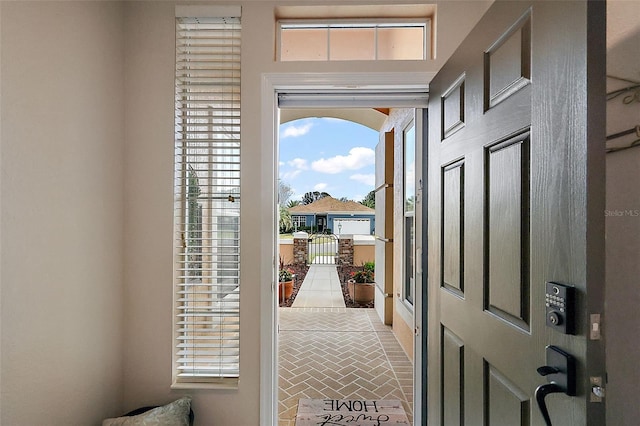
<point>285,223</point>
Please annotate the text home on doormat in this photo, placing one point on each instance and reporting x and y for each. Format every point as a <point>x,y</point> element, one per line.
<point>350,412</point>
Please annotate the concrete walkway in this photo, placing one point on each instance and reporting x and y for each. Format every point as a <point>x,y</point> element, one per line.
<point>320,289</point>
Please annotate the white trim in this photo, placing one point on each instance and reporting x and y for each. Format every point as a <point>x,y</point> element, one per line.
<point>208,11</point>
<point>271,84</point>
<point>269,309</point>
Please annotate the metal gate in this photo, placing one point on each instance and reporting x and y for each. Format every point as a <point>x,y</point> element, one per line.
<point>322,249</point>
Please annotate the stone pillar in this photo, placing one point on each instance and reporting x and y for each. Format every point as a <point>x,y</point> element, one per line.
<point>345,250</point>
<point>300,247</point>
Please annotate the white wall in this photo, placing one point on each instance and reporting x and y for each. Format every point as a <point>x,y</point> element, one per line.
<point>622,316</point>
<point>62,212</point>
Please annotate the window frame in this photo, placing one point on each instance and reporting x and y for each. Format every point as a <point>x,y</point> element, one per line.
<point>207,176</point>
<point>298,221</point>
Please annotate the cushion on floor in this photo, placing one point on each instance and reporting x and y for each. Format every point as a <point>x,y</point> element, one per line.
<point>175,413</point>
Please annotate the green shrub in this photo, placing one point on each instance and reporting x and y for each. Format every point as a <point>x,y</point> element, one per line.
<point>369,266</point>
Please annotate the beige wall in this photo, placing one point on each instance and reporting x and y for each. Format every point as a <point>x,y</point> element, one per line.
<point>86,241</point>
<point>622,319</point>
<point>363,253</point>
<point>402,312</point>
<point>62,212</point>
<point>286,251</point>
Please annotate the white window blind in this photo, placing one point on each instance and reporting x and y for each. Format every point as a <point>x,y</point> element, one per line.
<point>207,200</point>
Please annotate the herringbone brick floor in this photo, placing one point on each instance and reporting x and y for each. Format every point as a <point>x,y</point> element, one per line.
<point>339,353</point>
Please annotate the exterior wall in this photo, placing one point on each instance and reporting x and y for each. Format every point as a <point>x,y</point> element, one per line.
<point>62,183</point>
<point>359,251</point>
<point>402,311</point>
<point>364,250</point>
<point>286,251</point>
<point>308,219</point>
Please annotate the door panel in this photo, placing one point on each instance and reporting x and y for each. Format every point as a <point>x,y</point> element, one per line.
<point>506,204</point>
<point>515,142</point>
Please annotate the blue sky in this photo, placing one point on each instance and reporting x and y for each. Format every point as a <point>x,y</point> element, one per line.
<point>328,154</point>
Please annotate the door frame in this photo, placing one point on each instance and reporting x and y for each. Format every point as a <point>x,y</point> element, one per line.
<point>271,84</point>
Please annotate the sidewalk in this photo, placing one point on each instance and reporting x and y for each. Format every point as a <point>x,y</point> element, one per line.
<point>320,289</point>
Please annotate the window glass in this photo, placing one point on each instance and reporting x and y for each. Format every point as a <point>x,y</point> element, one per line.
<point>409,210</point>
<point>352,44</point>
<point>304,44</point>
<point>399,43</point>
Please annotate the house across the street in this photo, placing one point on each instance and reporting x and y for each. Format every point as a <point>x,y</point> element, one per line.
<point>330,215</point>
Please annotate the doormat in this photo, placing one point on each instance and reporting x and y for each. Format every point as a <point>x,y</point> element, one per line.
<point>350,412</point>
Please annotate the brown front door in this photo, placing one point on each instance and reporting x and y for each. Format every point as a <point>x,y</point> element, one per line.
<point>515,200</point>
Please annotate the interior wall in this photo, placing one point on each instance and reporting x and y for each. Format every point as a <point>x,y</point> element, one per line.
<point>622,317</point>
<point>62,212</point>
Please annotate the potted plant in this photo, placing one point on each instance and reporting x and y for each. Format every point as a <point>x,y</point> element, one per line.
<point>361,285</point>
<point>285,281</point>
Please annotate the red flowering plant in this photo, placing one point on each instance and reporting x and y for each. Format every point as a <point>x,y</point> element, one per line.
<point>366,275</point>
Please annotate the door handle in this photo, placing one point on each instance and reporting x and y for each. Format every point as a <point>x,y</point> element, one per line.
<point>560,371</point>
<point>541,392</point>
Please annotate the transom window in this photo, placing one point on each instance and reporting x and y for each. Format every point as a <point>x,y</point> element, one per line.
<point>353,39</point>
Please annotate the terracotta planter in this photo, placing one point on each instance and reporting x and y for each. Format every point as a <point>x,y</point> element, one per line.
<point>285,290</point>
<point>361,292</point>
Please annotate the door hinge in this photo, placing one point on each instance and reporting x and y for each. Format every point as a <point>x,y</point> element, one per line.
<point>595,326</point>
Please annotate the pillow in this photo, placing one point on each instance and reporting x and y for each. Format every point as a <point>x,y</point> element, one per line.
<point>173,414</point>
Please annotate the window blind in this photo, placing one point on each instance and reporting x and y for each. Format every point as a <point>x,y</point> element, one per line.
<point>207,199</point>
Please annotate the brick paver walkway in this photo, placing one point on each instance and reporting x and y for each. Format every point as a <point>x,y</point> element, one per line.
<point>339,353</point>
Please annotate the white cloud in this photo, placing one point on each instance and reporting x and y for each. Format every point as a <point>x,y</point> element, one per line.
<point>366,179</point>
<point>289,176</point>
<point>299,163</point>
<point>293,131</point>
<point>320,187</point>
<point>358,158</point>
